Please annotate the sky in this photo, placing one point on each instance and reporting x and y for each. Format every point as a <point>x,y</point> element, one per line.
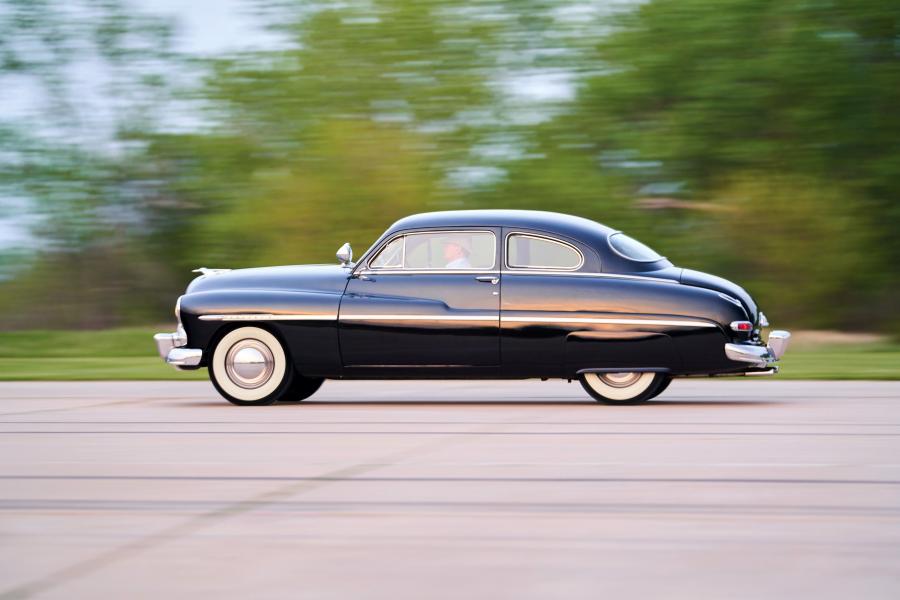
<point>212,26</point>
<point>203,27</point>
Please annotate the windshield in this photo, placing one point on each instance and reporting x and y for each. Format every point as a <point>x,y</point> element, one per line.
<point>632,249</point>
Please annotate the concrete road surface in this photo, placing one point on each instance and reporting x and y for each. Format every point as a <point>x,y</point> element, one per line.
<point>396,490</point>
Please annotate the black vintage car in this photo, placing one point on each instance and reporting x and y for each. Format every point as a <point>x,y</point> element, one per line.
<point>472,294</point>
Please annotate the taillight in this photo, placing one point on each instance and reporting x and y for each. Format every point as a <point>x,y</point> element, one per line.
<point>742,326</point>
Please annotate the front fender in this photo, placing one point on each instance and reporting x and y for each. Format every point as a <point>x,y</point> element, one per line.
<point>305,320</point>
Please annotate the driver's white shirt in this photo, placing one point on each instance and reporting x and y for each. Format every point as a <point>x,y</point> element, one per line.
<point>459,263</point>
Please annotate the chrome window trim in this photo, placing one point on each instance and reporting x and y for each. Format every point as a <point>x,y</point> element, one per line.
<point>538,267</point>
<point>384,247</point>
<point>658,258</point>
<point>557,273</point>
<point>427,272</point>
<point>367,267</point>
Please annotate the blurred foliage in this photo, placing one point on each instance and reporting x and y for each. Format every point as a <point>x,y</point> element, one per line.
<point>756,139</point>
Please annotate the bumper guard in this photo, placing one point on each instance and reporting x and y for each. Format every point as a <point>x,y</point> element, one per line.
<point>760,356</point>
<point>171,349</point>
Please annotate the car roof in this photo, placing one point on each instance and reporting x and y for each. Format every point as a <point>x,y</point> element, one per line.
<point>567,225</point>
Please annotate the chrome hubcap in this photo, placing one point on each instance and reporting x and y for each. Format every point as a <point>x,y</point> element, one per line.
<point>619,380</point>
<point>249,364</point>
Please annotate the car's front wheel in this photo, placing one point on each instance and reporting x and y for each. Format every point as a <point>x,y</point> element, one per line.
<point>622,388</point>
<point>250,367</point>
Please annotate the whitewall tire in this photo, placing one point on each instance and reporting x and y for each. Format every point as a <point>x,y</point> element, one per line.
<point>249,366</point>
<point>622,388</point>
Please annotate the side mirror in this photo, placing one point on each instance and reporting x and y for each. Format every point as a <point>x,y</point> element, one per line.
<point>345,254</point>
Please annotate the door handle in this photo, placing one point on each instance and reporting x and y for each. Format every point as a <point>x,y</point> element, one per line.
<point>493,280</point>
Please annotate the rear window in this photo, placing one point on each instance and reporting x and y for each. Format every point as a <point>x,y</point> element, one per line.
<point>632,249</point>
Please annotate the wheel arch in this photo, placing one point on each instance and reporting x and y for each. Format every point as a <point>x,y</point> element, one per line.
<point>308,331</point>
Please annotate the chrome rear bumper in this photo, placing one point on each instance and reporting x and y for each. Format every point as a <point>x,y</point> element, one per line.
<point>171,349</point>
<point>760,356</point>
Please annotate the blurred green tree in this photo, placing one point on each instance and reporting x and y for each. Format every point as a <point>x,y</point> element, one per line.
<point>74,76</point>
<point>753,138</point>
<point>760,138</point>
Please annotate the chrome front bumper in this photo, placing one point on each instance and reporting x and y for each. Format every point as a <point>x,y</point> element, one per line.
<point>760,356</point>
<point>171,349</point>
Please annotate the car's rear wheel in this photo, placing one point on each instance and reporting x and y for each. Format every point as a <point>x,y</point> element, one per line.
<point>250,367</point>
<point>622,388</point>
<point>302,388</point>
<point>662,387</point>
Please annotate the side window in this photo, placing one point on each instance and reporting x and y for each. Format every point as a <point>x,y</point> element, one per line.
<point>452,250</point>
<point>390,257</point>
<point>535,252</point>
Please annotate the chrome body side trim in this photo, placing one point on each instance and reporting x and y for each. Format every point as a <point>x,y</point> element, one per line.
<point>438,318</point>
<point>586,274</point>
<point>506,319</point>
<point>399,317</point>
<point>267,317</point>
<point>609,321</point>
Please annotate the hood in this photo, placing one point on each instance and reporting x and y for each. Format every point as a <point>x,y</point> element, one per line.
<point>319,278</point>
<point>711,282</point>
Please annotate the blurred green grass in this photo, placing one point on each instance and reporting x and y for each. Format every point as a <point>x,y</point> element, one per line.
<point>122,354</point>
<point>129,354</point>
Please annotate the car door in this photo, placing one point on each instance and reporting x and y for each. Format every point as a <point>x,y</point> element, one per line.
<point>540,285</point>
<point>428,298</point>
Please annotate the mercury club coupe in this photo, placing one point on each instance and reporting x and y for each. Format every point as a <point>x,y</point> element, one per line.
<point>487,294</point>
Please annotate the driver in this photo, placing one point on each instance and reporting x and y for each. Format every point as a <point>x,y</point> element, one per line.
<point>456,252</point>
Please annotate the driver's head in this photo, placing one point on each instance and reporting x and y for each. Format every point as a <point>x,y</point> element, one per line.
<point>452,251</point>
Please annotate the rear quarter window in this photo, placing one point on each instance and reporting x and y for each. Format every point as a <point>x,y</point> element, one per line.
<point>526,251</point>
